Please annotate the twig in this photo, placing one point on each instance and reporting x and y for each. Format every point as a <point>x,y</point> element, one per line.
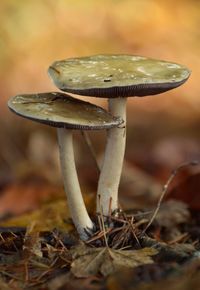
<point>59,241</point>
<point>98,236</point>
<point>103,225</point>
<point>165,188</point>
<point>178,239</point>
<point>99,217</point>
<point>133,230</point>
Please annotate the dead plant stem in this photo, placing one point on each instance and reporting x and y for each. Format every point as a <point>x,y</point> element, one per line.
<point>165,188</point>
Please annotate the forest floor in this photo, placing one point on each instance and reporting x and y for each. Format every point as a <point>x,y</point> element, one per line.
<point>153,243</point>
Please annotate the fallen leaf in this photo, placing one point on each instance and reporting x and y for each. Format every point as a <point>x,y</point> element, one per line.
<point>5,286</point>
<point>172,213</point>
<point>177,253</point>
<point>188,191</point>
<point>186,278</point>
<point>68,281</point>
<point>50,216</point>
<point>91,261</point>
<point>32,243</point>
<point>126,278</point>
<point>22,197</point>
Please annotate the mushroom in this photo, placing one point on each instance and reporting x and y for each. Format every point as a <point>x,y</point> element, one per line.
<point>66,113</point>
<point>116,77</point>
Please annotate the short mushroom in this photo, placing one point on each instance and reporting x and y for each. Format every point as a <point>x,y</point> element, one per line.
<point>66,113</point>
<point>116,77</point>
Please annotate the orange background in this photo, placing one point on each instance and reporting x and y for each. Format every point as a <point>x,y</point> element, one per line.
<point>35,33</point>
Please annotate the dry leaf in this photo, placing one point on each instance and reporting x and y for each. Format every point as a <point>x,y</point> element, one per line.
<point>172,213</point>
<point>5,286</point>
<point>50,216</point>
<point>19,198</point>
<point>32,243</point>
<point>186,278</point>
<point>90,261</point>
<point>188,191</point>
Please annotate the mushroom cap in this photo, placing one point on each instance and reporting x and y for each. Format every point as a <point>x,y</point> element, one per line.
<point>62,111</point>
<point>113,76</point>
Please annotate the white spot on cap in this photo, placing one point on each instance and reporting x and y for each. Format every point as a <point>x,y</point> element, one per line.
<point>142,70</point>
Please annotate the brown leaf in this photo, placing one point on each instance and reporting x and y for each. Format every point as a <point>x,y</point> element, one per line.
<point>32,243</point>
<point>19,198</point>
<point>5,286</point>
<point>50,216</point>
<point>68,281</point>
<point>176,253</point>
<point>185,278</point>
<point>172,213</point>
<point>188,191</point>
<point>90,261</point>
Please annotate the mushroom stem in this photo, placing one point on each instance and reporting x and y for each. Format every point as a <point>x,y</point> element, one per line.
<point>75,200</point>
<point>107,193</point>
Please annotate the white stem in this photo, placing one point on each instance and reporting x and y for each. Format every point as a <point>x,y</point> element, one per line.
<point>107,193</point>
<point>75,200</point>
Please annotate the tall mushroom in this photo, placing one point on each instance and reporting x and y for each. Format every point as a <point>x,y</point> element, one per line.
<point>116,77</point>
<point>66,113</point>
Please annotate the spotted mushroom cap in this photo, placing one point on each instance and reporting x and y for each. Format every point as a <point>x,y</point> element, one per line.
<point>117,75</point>
<point>61,110</point>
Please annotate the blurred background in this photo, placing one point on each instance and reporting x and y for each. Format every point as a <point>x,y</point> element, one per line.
<point>163,130</point>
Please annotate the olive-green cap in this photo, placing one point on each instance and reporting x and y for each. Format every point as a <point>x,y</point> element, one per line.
<point>113,76</point>
<point>62,111</point>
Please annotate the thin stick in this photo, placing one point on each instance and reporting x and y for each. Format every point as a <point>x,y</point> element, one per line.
<point>103,225</point>
<point>98,236</point>
<point>91,149</point>
<point>101,221</point>
<point>165,188</point>
<point>133,230</point>
<point>99,216</point>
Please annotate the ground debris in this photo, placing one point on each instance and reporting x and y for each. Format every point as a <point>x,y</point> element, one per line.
<point>89,261</point>
<point>69,281</point>
<point>33,262</point>
<point>172,213</point>
<point>55,259</point>
<point>156,277</point>
<point>187,191</point>
<point>178,253</point>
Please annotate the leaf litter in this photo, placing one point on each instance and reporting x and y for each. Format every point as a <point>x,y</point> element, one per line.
<point>47,255</point>
<point>91,261</point>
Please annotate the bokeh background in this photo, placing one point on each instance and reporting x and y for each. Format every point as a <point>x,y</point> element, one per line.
<point>163,130</point>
